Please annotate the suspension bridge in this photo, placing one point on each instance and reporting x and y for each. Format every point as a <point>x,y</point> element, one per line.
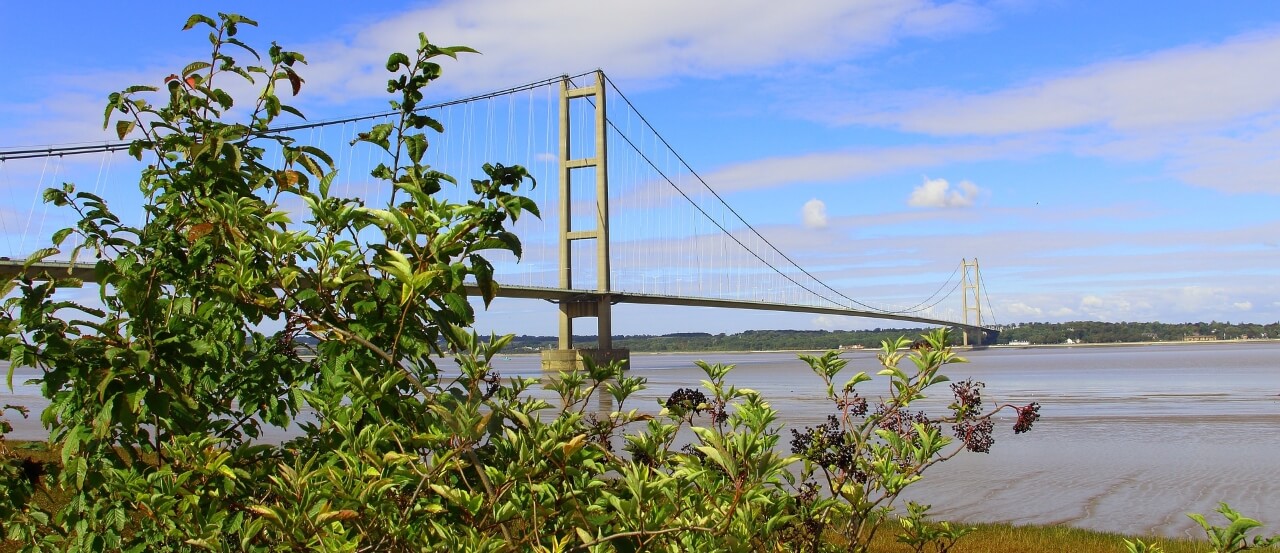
<point>632,222</point>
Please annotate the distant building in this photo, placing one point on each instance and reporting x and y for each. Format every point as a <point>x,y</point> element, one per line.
<point>1200,338</point>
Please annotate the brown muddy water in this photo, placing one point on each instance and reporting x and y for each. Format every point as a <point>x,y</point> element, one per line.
<point>1130,438</point>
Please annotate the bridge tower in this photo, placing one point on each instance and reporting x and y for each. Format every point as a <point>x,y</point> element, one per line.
<point>598,304</point>
<point>971,298</point>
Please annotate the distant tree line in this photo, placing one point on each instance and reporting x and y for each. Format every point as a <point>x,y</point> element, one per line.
<point>751,340</point>
<point>1100,332</point>
<point>1035,333</point>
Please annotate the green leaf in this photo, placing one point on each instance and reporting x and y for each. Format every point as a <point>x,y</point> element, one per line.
<point>396,60</point>
<point>246,47</point>
<point>198,18</point>
<point>17,358</point>
<point>194,66</point>
<point>124,127</point>
<point>61,235</point>
<point>417,145</point>
<point>457,303</point>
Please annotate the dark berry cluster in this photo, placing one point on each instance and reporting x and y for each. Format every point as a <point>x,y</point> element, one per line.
<point>1027,416</point>
<point>285,341</point>
<point>968,398</point>
<point>808,493</point>
<point>804,533</point>
<point>826,446</point>
<point>689,449</point>
<point>493,382</point>
<point>687,400</point>
<point>692,451</point>
<point>600,430</point>
<point>976,435</point>
<point>855,406</point>
<point>902,422</point>
<point>639,456</point>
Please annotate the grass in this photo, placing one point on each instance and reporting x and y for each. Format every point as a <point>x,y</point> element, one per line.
<point>985,538</point>
<point>1007,538</point>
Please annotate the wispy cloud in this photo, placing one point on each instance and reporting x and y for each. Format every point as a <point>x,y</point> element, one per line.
<point>648,41</point>
<point>1206,111</point>
<point>848,165</point>
<point>1192,85</point>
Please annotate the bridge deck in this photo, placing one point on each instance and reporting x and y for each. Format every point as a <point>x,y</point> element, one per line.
<point>85,272</point>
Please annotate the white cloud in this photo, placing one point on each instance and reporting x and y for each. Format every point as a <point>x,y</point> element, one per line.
<point>1176,87</point>
<point>814,214</point>
<point>1206,111</point>
<point>655,40</point>
<point>1243,305</point>
<point>939,193</point>
<point>1022,310</point>
<point>1198,299</point>
<point>830,322</point>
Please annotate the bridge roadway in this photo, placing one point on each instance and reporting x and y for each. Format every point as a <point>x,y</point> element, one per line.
<point>84,272</point>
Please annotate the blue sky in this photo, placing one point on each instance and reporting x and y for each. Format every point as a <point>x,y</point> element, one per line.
<point>1103,160</point>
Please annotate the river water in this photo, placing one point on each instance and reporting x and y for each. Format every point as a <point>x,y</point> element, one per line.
<point>1130,438</point>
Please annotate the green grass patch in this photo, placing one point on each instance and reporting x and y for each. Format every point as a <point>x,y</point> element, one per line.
<point>1007,538</point>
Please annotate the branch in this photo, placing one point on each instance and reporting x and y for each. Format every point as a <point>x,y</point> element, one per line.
<point>635,533</point>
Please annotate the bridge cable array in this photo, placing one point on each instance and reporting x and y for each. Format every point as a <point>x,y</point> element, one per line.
<point>914,309</point>
<point>817,288</point>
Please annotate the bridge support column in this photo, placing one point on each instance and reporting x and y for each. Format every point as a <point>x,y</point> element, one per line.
<point>972,291</point>
<point>598,303</point>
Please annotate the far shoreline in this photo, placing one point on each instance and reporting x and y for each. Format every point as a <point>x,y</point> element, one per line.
<point>954,348</point>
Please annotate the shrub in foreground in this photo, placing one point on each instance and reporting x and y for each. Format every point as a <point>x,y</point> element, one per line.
<point>160,391</point>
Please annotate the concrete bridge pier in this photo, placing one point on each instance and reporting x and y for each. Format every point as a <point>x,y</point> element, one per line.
<point>557,360</point>
<point>568,358</point>
<point>978,337</point>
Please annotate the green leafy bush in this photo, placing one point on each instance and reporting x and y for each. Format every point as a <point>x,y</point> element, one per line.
<point>859,462</point>
<point>159,398</point>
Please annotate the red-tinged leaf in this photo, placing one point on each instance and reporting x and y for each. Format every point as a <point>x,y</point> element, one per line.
<point>294,80</point>
<point>199,231</point>
<point>287,179</point>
